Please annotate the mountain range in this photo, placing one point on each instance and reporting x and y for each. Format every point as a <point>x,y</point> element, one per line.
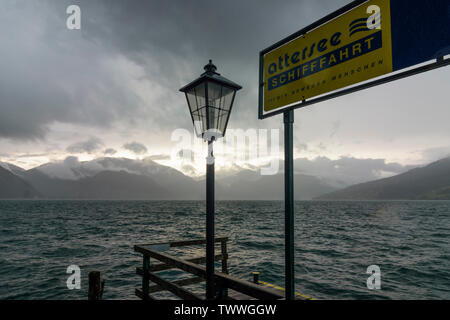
<point>13,186</point>
<point>104,178</point>
<point>128,179</point>
<point>431,182</point>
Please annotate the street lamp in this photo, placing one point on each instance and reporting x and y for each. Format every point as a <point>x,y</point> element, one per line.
<point>210,99</point>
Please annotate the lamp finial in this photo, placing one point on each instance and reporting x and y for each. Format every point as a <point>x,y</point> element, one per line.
<point>210,67</point>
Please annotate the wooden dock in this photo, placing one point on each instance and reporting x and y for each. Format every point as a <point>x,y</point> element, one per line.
<point>156,259</point>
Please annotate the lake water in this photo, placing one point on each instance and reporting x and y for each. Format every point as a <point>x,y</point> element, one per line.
<point>335,243</point>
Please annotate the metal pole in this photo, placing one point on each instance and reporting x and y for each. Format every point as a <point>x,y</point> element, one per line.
<point>289,202</point>
<point>210,223</point>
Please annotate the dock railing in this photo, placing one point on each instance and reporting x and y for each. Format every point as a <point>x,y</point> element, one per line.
<point>223,281</point>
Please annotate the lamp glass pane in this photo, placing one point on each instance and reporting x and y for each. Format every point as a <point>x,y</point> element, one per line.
<point>192,101</point>
<point>202,118</point>
<point>227,98</point>
<point>226,104</point>
<point>197,105</point>
<point>214,97</point>
<point>199,92</point>
<point>220,99</point>
<point>214,94</point>
<point>222,121</point>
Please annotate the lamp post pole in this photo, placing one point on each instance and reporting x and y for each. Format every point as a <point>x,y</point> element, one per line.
<point>210,293</point>
<point>210,99</point>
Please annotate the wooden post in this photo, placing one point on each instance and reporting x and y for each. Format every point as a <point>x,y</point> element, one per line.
<point>95,288</point>
<point>224,290</point>
<point>145,276</point>
<point>224,256</point>
<point>256,277</point>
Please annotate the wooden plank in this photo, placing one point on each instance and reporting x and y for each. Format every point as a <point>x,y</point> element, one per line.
<point>140,295</point>
<point>174,288</point>
<point>190,267</point>
<point>185,242</point>
<point>181,283</point>
<point>298,296</point>
<point>195,242</point>
<point>234,295</point>
<point>197,260</point>
<point>248,288</point>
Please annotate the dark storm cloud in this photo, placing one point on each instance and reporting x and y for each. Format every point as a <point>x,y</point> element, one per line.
<point>110,151</point>
<point>51,74</point>
<point>135,147</point>
<point>89,146</point>
<point>182,35</point>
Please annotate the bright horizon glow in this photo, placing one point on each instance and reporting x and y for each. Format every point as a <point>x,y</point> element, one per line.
<point>28,162</point>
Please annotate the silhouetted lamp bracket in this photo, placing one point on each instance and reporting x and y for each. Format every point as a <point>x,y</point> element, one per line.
<point>210,99</point>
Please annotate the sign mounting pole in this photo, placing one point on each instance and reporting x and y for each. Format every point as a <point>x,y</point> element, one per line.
<point>289,203</point>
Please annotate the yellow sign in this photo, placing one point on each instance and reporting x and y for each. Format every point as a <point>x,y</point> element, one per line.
<point>352,48</point>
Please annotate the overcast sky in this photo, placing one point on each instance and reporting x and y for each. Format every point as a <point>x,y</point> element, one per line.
<point>111,88</point>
